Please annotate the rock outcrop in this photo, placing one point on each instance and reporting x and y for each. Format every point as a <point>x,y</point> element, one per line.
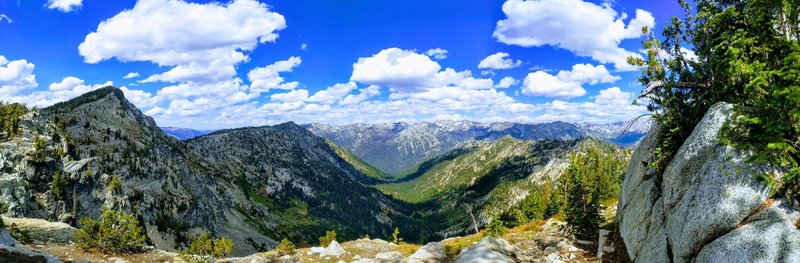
<point>429,253</point>
<point>42,231</point>
<point>706,206</point>
<point>492,250</point>
<point>13,251</point>
<point>334,249</point>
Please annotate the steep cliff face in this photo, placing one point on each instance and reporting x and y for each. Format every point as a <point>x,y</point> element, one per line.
<point>706,206</point>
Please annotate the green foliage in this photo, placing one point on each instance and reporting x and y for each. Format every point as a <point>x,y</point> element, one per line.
<point>115,185</point>
<point>112,233</point>
<point>496,228</point>
<point>583,210</point>
<point>204,245</point>
<point>360,165</point>
<point>286,247</point>
<point>459,170</point>
<point>166,224</point>
<point>326,240</point>
<point>3,207</point>
<point>59,185</point>
<point>396,239</point>
<point>38,155</point>
<point>10,116</point>
<point>593,175</point>
<point>21,235</point>
<point>747,54</point>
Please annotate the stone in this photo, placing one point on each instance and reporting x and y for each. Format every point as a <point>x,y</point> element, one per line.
<point>706,206</point>
<point>12,249</point>
<point>389,257</point>
<point>43,231</point>
<point>430,253</point>
<point>334,249</point>
<point>492,250</point>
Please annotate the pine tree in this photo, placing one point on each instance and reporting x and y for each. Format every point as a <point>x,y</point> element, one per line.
<point>396,239</point>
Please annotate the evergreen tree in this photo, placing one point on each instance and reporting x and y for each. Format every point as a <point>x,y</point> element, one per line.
<point>496,228</point>
<point>746,53</point>
<point>326,240</point>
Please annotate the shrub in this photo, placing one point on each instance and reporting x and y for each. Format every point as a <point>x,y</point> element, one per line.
<point>21,235</point>
<point>326,240</point>
<point>113,233</point>
<point>496,228</point>
<point>115,185</point>
<point>204,245</point>
<point>286,247</point>
<point>396,236</point>
<point>59,185</point>
<point>10,116</point>
<point>3,207</point>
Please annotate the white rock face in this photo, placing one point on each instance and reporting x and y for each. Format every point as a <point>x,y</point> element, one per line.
<point>42,230</point>
<point>431,252</point>
<point>706,206</point>
<point>334,249</point>
<point>389,257</point>
<point>490,250</point>
<point>11,249</point>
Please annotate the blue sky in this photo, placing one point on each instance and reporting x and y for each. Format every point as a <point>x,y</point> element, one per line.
<point>203,64</point>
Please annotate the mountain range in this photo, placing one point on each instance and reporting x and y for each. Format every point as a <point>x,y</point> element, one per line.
<point>257,185</point>
<point>396,148</point>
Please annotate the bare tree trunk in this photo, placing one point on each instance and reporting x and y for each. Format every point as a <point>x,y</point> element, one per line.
<point>474,223</point>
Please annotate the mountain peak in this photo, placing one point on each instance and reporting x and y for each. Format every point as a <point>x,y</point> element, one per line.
<point>92,96</point>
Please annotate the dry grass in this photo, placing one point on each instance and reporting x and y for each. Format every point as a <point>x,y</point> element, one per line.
<point>529,228</point>
<point>407,249</point>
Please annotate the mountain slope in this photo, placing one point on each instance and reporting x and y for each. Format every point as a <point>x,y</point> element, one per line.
<point>286,167</point>
<point>253,185</point>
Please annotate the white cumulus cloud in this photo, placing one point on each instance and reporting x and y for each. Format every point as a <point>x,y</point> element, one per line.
<point>437,53</point>
<point>213,37</point>
<point>65,6</point>
<point>396,68</point>
<point>299,95</point>
<point>541,83</point>
<point>333,93</point>
<point>499,60</point>
<point>16,77</point>
<point>266,78</point>
<point>567,83</point>
<point>586,73</point>
<point>586,29</point>
<point>506,82</point>
<point>131,75</point>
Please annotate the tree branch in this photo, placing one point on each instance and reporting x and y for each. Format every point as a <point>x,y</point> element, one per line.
<point>660,84</point>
